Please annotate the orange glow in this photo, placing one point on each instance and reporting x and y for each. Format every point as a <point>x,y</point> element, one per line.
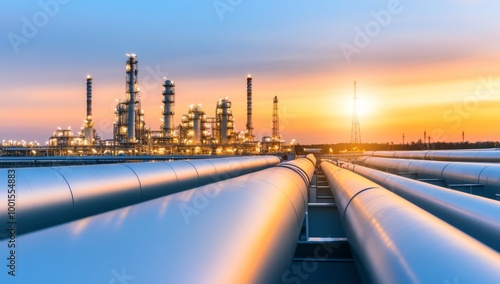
<point>394,99</point>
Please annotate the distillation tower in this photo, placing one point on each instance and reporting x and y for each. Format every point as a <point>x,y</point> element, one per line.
<point>129,128</point>
<point>193,127</point>
<point>168,110</point>
<point>224,123</point>
<point>249,134</point>
<point>88,127</point>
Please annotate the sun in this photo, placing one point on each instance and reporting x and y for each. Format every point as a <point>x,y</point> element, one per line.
<point>365,107</point>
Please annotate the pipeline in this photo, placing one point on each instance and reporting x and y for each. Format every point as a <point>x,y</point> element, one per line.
<point>476,155</point>
<point>55,195</point>
<point>240,230</point>
<point>476,216</point>
<point>484,174</point>
<point>394,241</point>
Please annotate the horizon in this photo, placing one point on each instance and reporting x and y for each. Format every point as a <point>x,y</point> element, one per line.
<point>419,67</point>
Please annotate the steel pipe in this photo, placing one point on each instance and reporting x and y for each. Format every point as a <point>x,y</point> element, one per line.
<point>398,242</point>
<point>240,230</point>
<point>476,216</point>
<point>51,196</point>
<point>476,155</point>
<point>484,174</point>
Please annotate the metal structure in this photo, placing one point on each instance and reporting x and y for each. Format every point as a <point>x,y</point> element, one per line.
<point>50,161</point>
<point>168,110</point>
<point>241,230</point>
<point>476,216</point>
<point>481,179</point>
<point>355,128</point>
<point>276,121</point>
<point>129,128</point>
<point>224,123</point>
<point>51,196</point>
<point>132,90</point>
<point>64,142</point>
<point>249,134</point>
<point>193,128</point>
<point>390,236</point>
<point>197,132</point>
<point>88,128</point>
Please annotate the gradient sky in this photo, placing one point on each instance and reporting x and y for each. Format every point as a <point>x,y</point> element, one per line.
<point>422,66</point>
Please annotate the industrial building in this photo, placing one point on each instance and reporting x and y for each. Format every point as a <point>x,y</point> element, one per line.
<point>199,132</point>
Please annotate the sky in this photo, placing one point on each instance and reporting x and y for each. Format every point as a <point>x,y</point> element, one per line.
<point>420,66</point>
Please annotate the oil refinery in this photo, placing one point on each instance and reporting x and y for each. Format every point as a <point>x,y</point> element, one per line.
<point>199,133</point>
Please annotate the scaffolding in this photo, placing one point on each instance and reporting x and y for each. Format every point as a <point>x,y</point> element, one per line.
<point>193,129</point>
<point>276,121</point>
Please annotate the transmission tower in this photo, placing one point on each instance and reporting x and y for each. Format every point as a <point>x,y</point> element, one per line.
<point>276,122</point>
<point>355,131</point>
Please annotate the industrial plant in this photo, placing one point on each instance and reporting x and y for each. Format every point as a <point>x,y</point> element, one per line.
<point>199,133</point>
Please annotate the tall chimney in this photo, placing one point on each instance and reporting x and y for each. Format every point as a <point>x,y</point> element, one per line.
<point>89,124</point>
<point>131,69</point>
<point>89,96</point>
<point>276,122</point>
<point>249,108</point>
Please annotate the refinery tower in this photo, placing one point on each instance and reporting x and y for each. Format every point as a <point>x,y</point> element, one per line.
<point>129,127</point>
<point>197,133</point>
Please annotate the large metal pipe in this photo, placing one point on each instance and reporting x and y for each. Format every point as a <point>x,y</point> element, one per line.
<point>397,242</point>
<point>453,173</point>
<point>476,155</point>
<point>241,230</point>
<point>476,216</point>
<point>51,196</point>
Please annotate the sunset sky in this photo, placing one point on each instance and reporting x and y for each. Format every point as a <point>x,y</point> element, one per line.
<point>419,65</point>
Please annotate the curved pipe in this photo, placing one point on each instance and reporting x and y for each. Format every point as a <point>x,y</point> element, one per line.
<point>51,196</point>
<point>241,230</point>
<point>305,167</point>
<point>397,242</point>
<point>311,158</point>
<point>487,175</point>
<point>476,216</point>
